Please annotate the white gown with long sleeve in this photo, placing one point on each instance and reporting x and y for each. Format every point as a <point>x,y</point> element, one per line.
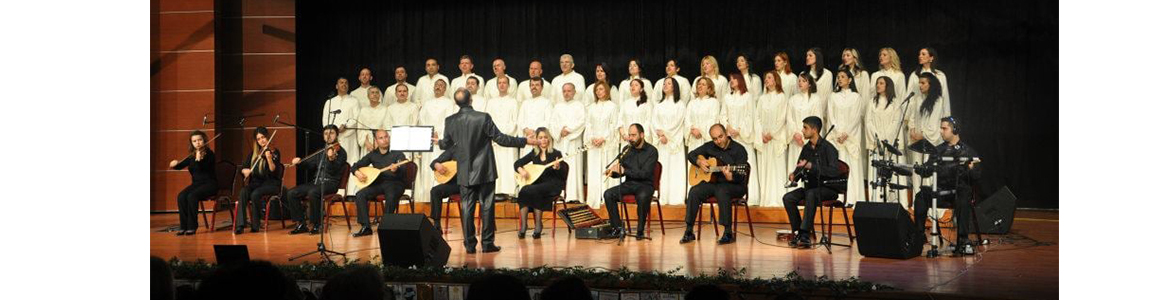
<point>388,96</point>
<point>534,113</point>
<point>881,123</point>
<point>490,90</point>
<point>739,113</point>
<point>788,81</point>
<point>372,118</point>
<point>702,112</point>
<point>570,116</point>
<point>684,89</point>
<point>348,117</point>
<point>425,87</point>
<point>602,123</point>
<point>899,84</point>
<point>504,112</point>
<point>801,106</point>
<point>401,114</point>
<point>928,123</point>
<point>434,112</point>
<point>632,113</point>
<point>669,117</point>
<point>772,157</point>
<point>591,97</point>
<point>912,84</point>
<point>525,91</point>
<point>847,113</point>
<point>559,82</point>
<point>461,82</point>
<point>624,89</point>
<point>721,88</point>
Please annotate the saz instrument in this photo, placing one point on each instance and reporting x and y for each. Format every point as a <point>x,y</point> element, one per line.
<point>452,168</point>
<point>535,170</point>
<point>372,173</point>
<point>696,174</point>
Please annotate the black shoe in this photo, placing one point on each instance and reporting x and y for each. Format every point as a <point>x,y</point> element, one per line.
<point>522,234</point>
<point>254,230</point>
<point>963,247</point>
<point>687,237</point>
<point>364,231</point>
<point>792,239</point>
<point>316,229</point>
<point>727,238</point>
<point>181,232</point>
<point>301,228</point>
<point>239,230</point>
<point>535,235</point>
<point>640,236</point>
<point>190,232</point>
<point>490,248</point>
<point>470,250</point>
<point>804,240</point>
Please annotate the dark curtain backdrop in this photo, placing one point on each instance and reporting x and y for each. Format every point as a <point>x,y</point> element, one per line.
<point>1000,57</point>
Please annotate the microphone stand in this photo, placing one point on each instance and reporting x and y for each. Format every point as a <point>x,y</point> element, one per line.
<point>321,249</point>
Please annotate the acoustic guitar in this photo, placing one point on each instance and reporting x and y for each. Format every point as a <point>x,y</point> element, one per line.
<point>535,170</point>
<point>696,174</point>
<point>372,173</point>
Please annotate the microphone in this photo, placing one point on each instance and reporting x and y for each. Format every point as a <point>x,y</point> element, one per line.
<point>336,111</point>
<point>276,120</point>
<point>891,148</point>
<point>908,98</point>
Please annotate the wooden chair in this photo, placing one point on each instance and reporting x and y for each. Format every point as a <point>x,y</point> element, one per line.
<point>225,175</point>
<point>741,201</point>
<point>827,238</point>
<point>408,194</point>
<point>630,199</point>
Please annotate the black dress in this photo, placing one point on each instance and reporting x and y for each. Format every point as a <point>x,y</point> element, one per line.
<point>549,185</point>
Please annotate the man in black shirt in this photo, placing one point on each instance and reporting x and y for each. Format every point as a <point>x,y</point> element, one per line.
<point>818,159</point>
<point>954,182</point>
<point>391,183</point>
<point>442,191</point>
<point>327,169</point>
<point>724,185</point>
<point>637,165</point>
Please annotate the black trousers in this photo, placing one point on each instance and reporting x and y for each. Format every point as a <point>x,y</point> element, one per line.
<point>252,194</point>
<point>642,193</point>
<point>961,214</point>
<point>472,196</point>
<point>811,199</point>
<point>438,193</point>
<point>312,194</point>
<point>189,199</point>
<point>392,190</point>
<point>723,192</point>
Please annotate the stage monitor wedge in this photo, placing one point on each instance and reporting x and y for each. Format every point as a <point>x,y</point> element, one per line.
<point>411,240</point>
<point>995,214</point>
<point>885,230</point>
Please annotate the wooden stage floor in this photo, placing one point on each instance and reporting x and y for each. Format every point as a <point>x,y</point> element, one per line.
<point>1021,265</point>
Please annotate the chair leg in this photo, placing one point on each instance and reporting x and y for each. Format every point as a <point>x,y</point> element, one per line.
<point>235,207</point>
<point>446,215</point>
<point>345,209</point>
<point>411,200</point>
<point>699,220</point>
<point>626,212</point>
<point>203,212</point>
<point>848,226</point>
<point>554,220</point>
<point>714,219</point>
<point>751,228</point>
<point>830,236</point>
<point>660,225</point>
<point>280,206</point>
<point>821,216</point>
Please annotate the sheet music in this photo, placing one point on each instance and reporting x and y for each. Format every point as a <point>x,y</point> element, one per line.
<point>411,138</point>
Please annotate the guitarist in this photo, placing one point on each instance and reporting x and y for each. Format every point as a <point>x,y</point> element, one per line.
<point>441,191</point>
<point>391,183</point>
<point>723,186</point>
<point>637,165</point>
<point>819,162</point>
<point>263,170</point>
<point>327,167</point>
<point>538,197</point>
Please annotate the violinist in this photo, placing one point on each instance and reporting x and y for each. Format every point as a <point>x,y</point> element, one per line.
<point>327,166</point>
<point>262,173</point>
<point>201,164</point>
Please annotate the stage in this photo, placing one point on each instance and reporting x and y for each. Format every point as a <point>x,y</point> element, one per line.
<point>1022,264</point>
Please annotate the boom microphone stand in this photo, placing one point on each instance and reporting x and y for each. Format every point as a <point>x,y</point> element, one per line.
<point>321,249</point>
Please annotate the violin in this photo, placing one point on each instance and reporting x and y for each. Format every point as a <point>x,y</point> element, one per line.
<point>336,146</point>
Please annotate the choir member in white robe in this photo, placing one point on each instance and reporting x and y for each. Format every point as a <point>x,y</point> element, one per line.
<point>342,110</point>
<point>600,74</point>
<point>504,110</point>
<point>822,77</point>
<point>603,142</point>
<point>927,64</point>
<point>805,103</point>
<point>744,65</point>
<point>702,113</point>
<point>477,101</point>
<point>710,70</point>
<point>362,92</point>
<point>739,117</point>
<point>925,119</point>
<point>499,68</point>
<point>467,70</point>
<point>787,79</point>
<point>846,113</point>
<point>426,83</point>
<point>890,66</point>
<point>882,118</point>
<point>635,69</point>
<point>684,86</point>
<point>637,109</point>
<point>373,116</point>
<point>851,60</point>
<point>568,125</point>
<point>389,97</point>
<point>402,112</point>
<point>772,141</point>
<point>535,112</point>
<point>568,75</point>
<point>535,70</point>
<point>434,112</point>
<point>667,137</point>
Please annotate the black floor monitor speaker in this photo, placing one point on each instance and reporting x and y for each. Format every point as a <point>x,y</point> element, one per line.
<point>230,254</point>
<point>885,230</point>
<point>411,240</point>
<point>995,214</point>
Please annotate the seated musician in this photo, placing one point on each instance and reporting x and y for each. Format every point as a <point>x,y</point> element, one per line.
<point>442,191</point>
<point>201,164</point>
<point>539,196</point>
<point>327,168</point>
<point>262,170</point>
<point>819,161</point>
<point>955,177</point>
<point>390,183</point>
<point>724,185</point>
<point>637,165</point>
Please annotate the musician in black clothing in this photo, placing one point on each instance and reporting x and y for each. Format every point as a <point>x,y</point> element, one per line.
<point>442,191</point>
<point>637,165</point>
<point>819,163</point>
<point>201,165</point>
<point>263,170</point>
<point>954,182</point>
<point>538,197</point>
<point>723,185</point>
<point>390,183</point>
<point>327,166</point>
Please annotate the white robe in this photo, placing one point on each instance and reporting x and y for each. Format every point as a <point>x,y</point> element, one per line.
<point>602,124</point>
<point>928,124</point>
<point>772,157</point>
<point>478,103</point>
<point>525,92</point>
<point>847,112</point>
<point>624,90</point>
<point>362,93</point>
<point>912,84</point>
<point>702,112</point>
<point>739,113</point>
<point>632,113</point>
<point>721,88</point>
<point>559,82</point>
<point>570,116</point>
<point>899,84</point>
<point>534,113</point>
<point>434,112</point>
<point>684,89</point>
<point>426,87</point>
<point>504,111</point>
<point>591,97</point>
<point>801,106</point>
<point>861,81</point>
<point>372,118</point>
<point>349,141</point>
<point>490,90</point>
<point>461,82</point>
<point>882,120</point>
<point>824,86</point>
<point>388,94</point>
<point>754,85</point>
<point>669,117</point>
<point>405,113</point>
<point>788,81</point>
